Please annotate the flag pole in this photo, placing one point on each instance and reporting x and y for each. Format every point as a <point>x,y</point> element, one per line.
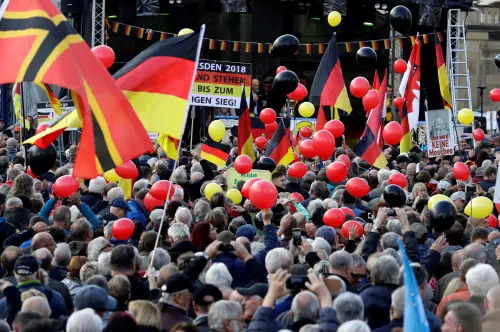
<point>192,125</point>
<point>3,8</point>
<point>22,123</point>
<point>198,50</point>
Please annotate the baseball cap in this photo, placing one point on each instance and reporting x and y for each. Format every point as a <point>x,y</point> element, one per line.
<point>121,204</point>
<point>444,185</point>
<point>402,158</point>
<point>258,288</point>
<point>95,297</point>
<point>247,231</point>
<point>458,195</point>
<point>26,265</point>
<point>178,282</point>
<point>327,233</point>
<point>206,295</point>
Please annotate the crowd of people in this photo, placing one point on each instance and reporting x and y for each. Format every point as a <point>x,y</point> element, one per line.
<point>225,267</point>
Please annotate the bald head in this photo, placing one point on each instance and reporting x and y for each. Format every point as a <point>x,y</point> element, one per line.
<point>43,240</point>
<point>492,302</point>
<point>37,304</point>
<point>245,242</point>
<point>456,259</point>
<point>165,273</point>
<point>13,203</point>
<point>301,219</point>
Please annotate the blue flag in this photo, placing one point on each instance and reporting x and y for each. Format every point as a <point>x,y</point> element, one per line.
<point>415,319</point>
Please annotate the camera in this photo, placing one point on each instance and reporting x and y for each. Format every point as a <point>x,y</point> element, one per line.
<point>226,247</point>
<point>297,283</point>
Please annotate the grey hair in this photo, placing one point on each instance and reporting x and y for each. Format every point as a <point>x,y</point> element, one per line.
<point>385,270</point>
<point>394,254</point>
<point>314,205</point>
<point>85,320</point>
<point>318,188</point>
<point>201,208</point>
<point>278,258</point>
<point>321,267</point>
<point>179,175</point>
<point>476,251</point>
<point>357,261</point>
<point>12,173</point>
<point>161,258</point>
<point>62,255</point>
<point>178,231</point>
<point>88,270</point>
<point>305,305</point>
<point>218,275</point>
<point>96,185</point>
<point>320,243</point>
<point>337,195</point>
<point>95,247</point>
<point>480,279</point>
<point>330,204</point>
<point>108,229</point>
<point>222,311</point>
<point>354,326</point>
<point>398,302</point>
<point>104,264</point>
<point>349,306</point>
<point>340,260</point>
<point>183,215</point>
<point>393,225</point>
<point>383,175</point>
<point>389,240</point>
<point>115,193</point>
<point>13,202</point>
<point>310,177</point>
<point>196,167</point>
<point>308,328</point>
<point>256,247</point>
<point>139,185</point>
<point>156,215</point>
<point>37,304</point>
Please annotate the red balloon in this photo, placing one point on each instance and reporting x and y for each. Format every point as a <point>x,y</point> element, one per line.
<point>336,127</point>
<point>261,142</point>
<point>127,170</point>
<point>324,144</point>
<point>296,158</point>
<point>359,87</point>
<point>306,149</point>
<point>478,134</point>
<point>399,102</point>
<point>461,171</point>
<point>280,69</point>
<point>270,129</point>
<point>122,229</point>
<point>398,179</point>
<point>263,194</point>
<point>30,173</point>
<point>41,127</point>
<point>334,218</point>
<point>336,172</point>
<point>297,196</point>
<point>348,211</point>
<point>105,54</point>
<point>65,186</point>
<point>400,66</point>
<point>268,115</point>
<point>393,133</point>
<point>345,159</point>
<point>348,224</point>
<point>492,221</point>
<point>245,190</point>
<point>297,170</point>
<point>299,93</point>
<point>305,132</point>
<point>357,187</point>
<point>152,203</point>
<point>371,100</point>
<point>243,164</point>
<point>162,190</point>
<point>495,95</point>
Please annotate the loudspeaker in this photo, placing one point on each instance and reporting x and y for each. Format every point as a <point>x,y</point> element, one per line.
<point>72,6</point>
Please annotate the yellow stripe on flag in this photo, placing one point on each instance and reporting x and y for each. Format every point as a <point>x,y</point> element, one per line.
<point>126,185</point>
<point>213,159</point>
<point>406,143</point>
<point>343,101</point>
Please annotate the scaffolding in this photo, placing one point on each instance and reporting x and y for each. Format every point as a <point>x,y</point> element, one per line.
<point>98,23</point>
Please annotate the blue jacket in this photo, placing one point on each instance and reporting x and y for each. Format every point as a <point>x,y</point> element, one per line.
<point>137,212</point>
<point>377,301</point>
<point>84,210</point>
<point>237,268</point>
<point>271,241</point>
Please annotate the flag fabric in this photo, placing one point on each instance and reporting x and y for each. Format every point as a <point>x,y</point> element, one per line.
<point>387,44</point>
<point>348,47</point>
<point>328,88</point>
<point>376,81</point>
<point>444,83</point>
<point>245,138</point>
<point>169,145</point>
<point>56,104</point>
<point>17,102</point>
<point>158,82</point>
<point>410,89</point>
<point>368,147</point>
<point>38,44</point>
<point>279,147</point>
<point>414,317</point>
<point>215,152</point>
<point>260,48</point>
<point>126,185</point>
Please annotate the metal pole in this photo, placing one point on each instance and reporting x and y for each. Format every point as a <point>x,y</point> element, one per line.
<point>22,123</point>
<point>192,126</point>
<point>391,69</point>
<point>481,94</point>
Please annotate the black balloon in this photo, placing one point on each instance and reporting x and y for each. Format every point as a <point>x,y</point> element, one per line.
<point>443,215</point>
<point>285,45</point>
<point>41,160</point>
<point>394,195</point>
<point>285,82</point>
<point>497,60</point>
<point>267,164</point>
<point>400,18</point>
<point>366,57</point>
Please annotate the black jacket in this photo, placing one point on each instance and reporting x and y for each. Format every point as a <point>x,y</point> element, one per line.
<point>293,187</point>
<point>91,198</point>
<point>180,248</point>
<point>195,187</point>
<point>6,230</point>
<point>139,288</point>
<point>19,217</point>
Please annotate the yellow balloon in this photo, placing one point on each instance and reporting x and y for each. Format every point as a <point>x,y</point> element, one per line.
<point>334,18</point>
<point>306,109</point>
<point>479,207</point>
<point>234,195</point>
<point>465,116</point>
<point>111,176</point>
<point>211,189</point>
<point>217,130</point>
<point>436,198</point>
<point>185,31</point>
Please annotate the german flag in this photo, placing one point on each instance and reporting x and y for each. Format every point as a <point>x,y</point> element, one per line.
<point>444,83</point>
<point>17,98</point>
<point>245,138</point>
<point>348,47</point>
<point>214,152</point>
<point>169,145</point>
<point>328,88</point>
<point>56,104</point>
<point>38,44</point>
<point>279,147</point>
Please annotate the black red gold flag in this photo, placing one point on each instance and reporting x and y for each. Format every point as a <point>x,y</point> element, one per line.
<point>279,147</point>
<point>215,152</point>
<point>245,138</point>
